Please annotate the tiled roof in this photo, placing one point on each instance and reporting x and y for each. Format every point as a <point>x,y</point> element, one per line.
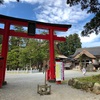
<point>86,53</point>
<point>93,50</point>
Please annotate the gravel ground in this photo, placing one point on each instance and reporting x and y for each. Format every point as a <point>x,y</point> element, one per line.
<point>24,87</point>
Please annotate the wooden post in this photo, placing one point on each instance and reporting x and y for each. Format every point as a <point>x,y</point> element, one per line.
<point>52,58</point>
<point>5,47</point>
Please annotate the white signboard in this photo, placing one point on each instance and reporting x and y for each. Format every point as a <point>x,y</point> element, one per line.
<point>59,71</point>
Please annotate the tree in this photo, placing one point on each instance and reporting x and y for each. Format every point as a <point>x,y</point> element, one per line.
<point>2,1</point>
<point>35,52</point>
<point>72,43</point>
<point>15,45</point>
<point>92,6</point>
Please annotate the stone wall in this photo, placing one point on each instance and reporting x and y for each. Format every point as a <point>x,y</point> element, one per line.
<point>87,86</point>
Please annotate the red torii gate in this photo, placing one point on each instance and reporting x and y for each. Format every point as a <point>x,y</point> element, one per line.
<point>6,32</point>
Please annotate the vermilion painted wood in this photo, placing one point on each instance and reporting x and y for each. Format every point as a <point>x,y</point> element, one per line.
<point>1,72</point>
<point>38,36</point>
<point>6,32</point>
<point>52,58</point>
<point>5,46</point>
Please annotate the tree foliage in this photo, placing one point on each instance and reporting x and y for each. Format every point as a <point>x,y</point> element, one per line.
<point>92,6</point>
<point>2,1</point>
<point>20,55</point>
<point>24,52</point>
<point>72,43</point>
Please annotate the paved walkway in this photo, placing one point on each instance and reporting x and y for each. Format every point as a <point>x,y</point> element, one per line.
<point>24,87</point>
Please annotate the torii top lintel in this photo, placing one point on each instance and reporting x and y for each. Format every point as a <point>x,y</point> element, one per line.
<point>41,25</point>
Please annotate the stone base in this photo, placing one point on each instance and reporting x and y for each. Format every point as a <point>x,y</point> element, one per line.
<point>52,81</point>
<point>44,89</point>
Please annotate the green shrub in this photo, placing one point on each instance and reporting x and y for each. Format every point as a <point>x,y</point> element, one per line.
<point>92,79</point>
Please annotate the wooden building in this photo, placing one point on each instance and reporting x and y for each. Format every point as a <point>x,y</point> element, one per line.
<point>87,57</point>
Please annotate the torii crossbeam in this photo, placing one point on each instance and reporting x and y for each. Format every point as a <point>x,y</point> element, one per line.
<point>6,32</point>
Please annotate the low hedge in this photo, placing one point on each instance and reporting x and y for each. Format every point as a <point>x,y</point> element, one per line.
<point>91,84</point>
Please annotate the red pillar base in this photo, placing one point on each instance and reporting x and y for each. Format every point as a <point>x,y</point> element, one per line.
<point>49,78</point>
<point>52,81</point>
<point>58,82</point>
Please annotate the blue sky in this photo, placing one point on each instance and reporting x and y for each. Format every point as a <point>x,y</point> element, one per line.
<point>53,12</point>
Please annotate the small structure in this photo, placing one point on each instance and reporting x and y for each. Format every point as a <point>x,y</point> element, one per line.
<point>89,57</point>
<point>63,58</point>
<point>44,89</point>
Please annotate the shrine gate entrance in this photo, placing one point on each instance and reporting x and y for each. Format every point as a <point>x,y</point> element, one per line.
<point>6,32</point>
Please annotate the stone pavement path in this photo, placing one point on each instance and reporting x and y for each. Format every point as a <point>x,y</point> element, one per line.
<point>24,87</point>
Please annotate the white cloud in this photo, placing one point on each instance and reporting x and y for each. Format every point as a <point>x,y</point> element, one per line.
<point>7,1</point>
<point>91,38</point>
<point>28,1</point>
<point>90,41</point>
<point>32,1</point>
<point>56,11</point>
<point>61,13</point>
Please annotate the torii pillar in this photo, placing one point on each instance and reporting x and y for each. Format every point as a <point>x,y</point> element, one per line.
<point>51,72</point>
<point>6,32</point>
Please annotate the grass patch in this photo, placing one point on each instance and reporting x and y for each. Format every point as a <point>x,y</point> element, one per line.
<point>64,81</point>
<point>94,78</point>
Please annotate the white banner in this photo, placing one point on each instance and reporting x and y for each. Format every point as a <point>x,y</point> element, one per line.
<point>59,71</point>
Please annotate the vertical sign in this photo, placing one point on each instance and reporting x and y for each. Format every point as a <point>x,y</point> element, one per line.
<point>59,71</point>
